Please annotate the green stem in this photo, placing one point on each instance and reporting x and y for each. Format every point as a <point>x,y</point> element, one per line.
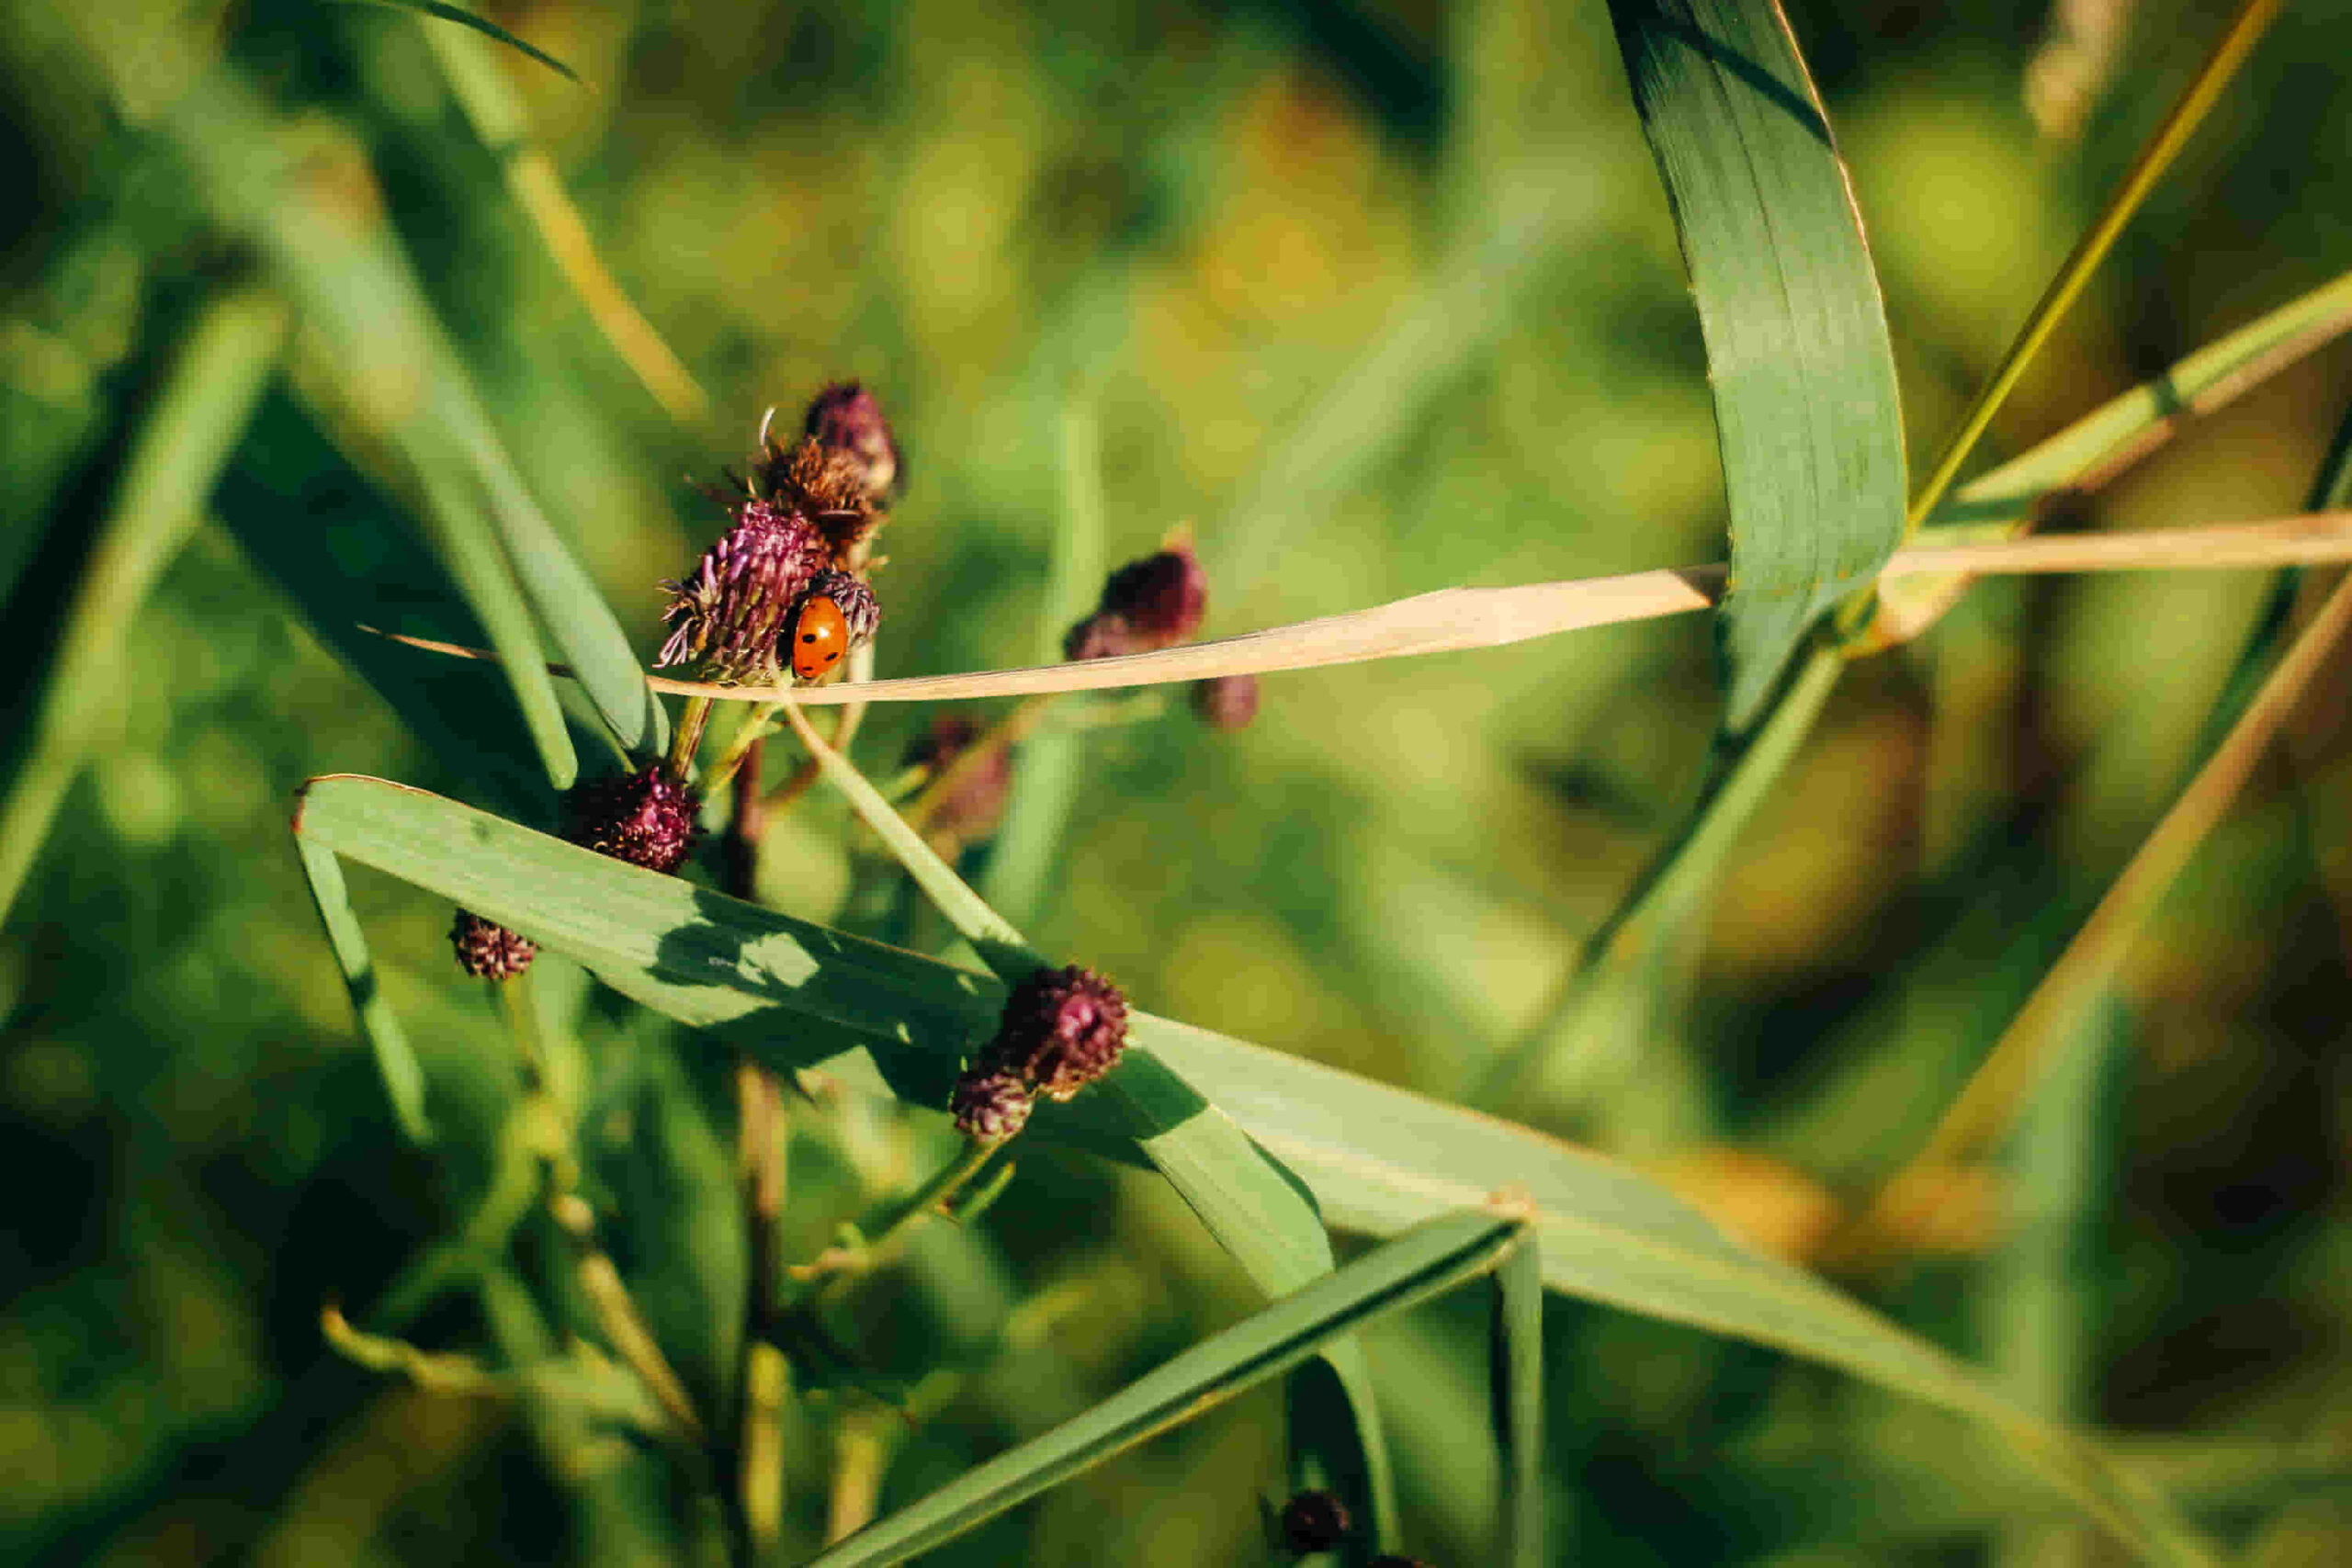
<point>928,1199</point>
<point>2187,114</point>
<point>687,739</point>
<point>1737,784</point>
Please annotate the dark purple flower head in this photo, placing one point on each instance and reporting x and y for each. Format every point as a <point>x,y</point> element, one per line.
<point>490,951</point>
<point>846,418</point>
<point>730,611</point>
<point>1226,702</point>
<point>854,599</point>
<point>989,1105</point>
<point>1313,1521</point>
<point>1061,1030</point>
<point>645,817</point>
<point>1161,597</point>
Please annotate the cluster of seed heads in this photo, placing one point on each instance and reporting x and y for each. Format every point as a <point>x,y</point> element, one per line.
<point>1061,1030</point>
<point>791,561</point>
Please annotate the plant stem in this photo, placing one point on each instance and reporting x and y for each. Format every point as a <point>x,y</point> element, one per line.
<point>1737,784</point>
<point>2194,103</point>
<point>928,1199</point>
<point>688,738</point>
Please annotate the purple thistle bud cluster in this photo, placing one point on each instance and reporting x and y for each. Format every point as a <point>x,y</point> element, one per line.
<point>991,1107</point>
<point>801,526</point>
<point>1061,1030</point>
<point>726,617</point>
<point>644,817</point>
<point>489,951</point>
<point>1157,602</point>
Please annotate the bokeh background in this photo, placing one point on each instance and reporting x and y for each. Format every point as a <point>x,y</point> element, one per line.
<point>1378,295</point>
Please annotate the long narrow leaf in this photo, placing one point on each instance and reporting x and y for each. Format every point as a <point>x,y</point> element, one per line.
<point>1430,1260</point>
<point>1798,354</point>
<point>1517,1389</point>
<point>1377,1159</point>
<point>482,25</point>
<point>1257,1210</point>
<point>172,463</point>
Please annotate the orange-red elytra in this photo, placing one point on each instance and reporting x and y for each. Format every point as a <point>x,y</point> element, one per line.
<point>819,637</point>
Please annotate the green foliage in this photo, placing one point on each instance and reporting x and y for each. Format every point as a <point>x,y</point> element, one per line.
<point>330,321</point>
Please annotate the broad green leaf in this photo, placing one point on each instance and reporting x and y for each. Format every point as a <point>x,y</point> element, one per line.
<point>1797,350</point>
<point>1429,1261</point>
<point>1377,1159</point>
<point>482,25</point>
<point>174,460</point>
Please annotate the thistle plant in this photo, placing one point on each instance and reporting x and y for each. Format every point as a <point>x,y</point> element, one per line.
<point>801,1185</point>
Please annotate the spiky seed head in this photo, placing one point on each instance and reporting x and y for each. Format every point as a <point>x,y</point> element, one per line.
<point>822,484</point>
<point>990,1104</point>
<point>846,418</point>
<point>726,613</point>
<point>1313,1521</point>
<point>645,817</point>
<point>1226,702</point>
<point>490,951</point>
<point>1061,1030</point>
<point>1161,597</point>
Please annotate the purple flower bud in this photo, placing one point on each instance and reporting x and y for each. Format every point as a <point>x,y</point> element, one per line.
<point>1313,1521</point>
<point>1226,702</point>
<point>490,951</point>
<point>854,599</point>
<point>1061,1030</point>
<point>645,817</point>
<point>989,1105</point>
<point>1161,597</point>
<point>846,418</point>
<point>1102,635</point>
<point>730,611</point>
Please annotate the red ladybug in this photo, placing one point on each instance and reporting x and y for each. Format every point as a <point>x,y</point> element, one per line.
<point>819,637</point>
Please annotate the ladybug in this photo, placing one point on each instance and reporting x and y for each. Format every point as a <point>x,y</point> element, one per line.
<point>819,637</point>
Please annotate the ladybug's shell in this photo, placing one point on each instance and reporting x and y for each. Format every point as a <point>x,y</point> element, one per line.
<point>819,637</point>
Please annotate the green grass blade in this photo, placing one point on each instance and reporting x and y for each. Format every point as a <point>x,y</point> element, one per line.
<point>1425,1263</point>
<point>1802,369</point>
<point>1022,861</point>
<point>482,25</point>
<point>1378,1160</point>
<point>201,409</point>
<point>403,1078</point>
<point>1518,1382</point>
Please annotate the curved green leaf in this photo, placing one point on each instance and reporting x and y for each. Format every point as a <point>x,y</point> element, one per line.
<point>482,25</point>
<point>1797,348</point>
<point>1377,1159</point>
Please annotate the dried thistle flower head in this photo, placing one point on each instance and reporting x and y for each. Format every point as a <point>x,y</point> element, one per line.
<point>490,951</point>
<point>846,418</point>
<point>822,484</point>
<point>1061,1030</point>
<point>1226,702</point>
<point>728,612</point>
<point>989,1105</point>
<point>645,817</point>
<point>1313,1521</point>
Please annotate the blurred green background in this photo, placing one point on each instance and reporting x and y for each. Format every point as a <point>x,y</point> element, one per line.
<point>1379,296</point>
